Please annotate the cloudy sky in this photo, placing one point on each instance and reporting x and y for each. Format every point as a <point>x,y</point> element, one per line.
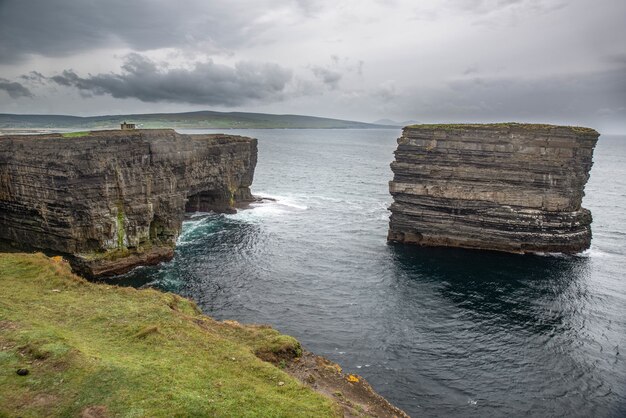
<point>556,61</point>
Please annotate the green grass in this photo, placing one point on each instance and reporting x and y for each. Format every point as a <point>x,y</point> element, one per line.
<point>133,353</point>
<point>75,134</point>
<point>503,125</point>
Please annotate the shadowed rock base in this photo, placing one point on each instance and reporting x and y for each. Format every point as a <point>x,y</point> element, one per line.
<point>506,187</point>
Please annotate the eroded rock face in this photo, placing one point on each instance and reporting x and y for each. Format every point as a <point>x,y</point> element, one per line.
<point>112,200</point>
<point>507,187</point>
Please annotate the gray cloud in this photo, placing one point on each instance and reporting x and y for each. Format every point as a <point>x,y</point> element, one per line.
<point>489,6</point>
<point>331,75</point>
<point>206,83</point>
<point>327,76</point>
<point>64,27</point>
<point>574,98</point>
<point>34,77</point>
<point>619,59</point>
<point>14,89</point>
<point>481,8</point>
<point>310,7</point>
<point>386,92</point>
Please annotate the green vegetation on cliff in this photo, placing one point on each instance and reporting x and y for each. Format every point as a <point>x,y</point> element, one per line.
<point>100,350</point>
<point>499,126</point>
<point>75,134</point>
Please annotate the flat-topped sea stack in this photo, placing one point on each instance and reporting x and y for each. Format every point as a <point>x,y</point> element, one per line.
<point>113,200</point>
<point>506,187</point>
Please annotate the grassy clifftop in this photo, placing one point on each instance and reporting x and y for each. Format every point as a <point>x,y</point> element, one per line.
<point>530,127</point>
<point>95,350</point>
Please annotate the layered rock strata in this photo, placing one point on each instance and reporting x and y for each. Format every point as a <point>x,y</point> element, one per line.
<point>507,187</point>
<point>112,200</point>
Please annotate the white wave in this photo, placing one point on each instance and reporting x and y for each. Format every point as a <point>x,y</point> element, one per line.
<point>555,255</point>
<point>253,214</point>
<point>275,205</point>
<point>594,252</point>
<point>189,227</point>
<point>325,199</point>
<point>198,214</point>
<point>184,243</point>
<point>352,204</point>
<point>292,202</point>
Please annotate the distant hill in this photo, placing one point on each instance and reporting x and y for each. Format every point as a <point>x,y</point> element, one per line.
<point>390,122</point>
<point>202,119</point>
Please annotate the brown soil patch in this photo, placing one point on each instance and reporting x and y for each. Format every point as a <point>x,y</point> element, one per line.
<point>33,401</point>
<point>43,400</point>
<point>6,325</point>
<point>96,411</point>
<point>352,392</point>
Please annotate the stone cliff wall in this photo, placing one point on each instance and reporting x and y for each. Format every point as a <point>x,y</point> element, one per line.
<point>116,199</point>
<point>507,187</point>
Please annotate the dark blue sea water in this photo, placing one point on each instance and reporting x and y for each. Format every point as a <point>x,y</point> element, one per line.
<point>439,332</point>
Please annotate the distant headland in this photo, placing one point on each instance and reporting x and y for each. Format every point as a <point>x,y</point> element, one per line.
<point>191,120</point>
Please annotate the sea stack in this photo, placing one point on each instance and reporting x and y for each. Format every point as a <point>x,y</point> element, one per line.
<point>112,200</point>
<point>507,187</point>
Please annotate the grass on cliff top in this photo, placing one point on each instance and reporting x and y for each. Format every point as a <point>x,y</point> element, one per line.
<point>505,125</point>
<point>75,134</point>
<point>96,349</point>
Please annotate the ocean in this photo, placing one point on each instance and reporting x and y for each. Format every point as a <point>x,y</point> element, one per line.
<point>438,332</point>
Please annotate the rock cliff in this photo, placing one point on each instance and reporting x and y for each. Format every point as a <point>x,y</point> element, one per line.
<point>112,200</point>
<point>507,187</point>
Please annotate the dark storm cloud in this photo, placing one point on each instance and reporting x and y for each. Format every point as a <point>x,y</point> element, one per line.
<point>14,89</point>
<point>64,27</point>
<point>206,83</point>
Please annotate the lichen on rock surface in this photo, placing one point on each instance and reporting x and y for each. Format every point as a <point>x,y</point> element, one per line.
<point>507,186</point>
<point>112,200</point>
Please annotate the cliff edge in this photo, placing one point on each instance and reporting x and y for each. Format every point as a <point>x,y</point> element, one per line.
<point>144,353</point>
<point>507,187</point>
<point>112,200</point>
